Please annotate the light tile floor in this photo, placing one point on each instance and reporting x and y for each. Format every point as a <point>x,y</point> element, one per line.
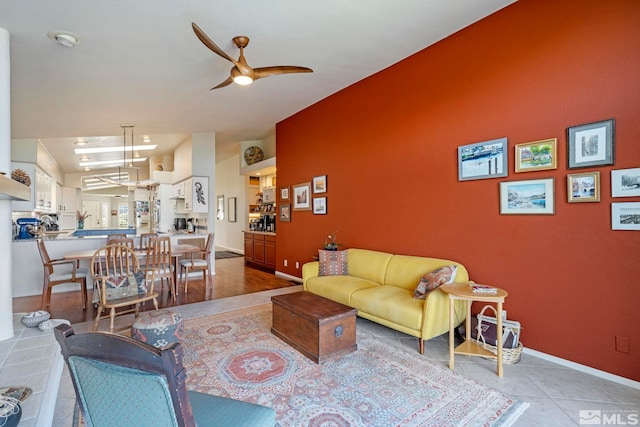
<point>556,393</point>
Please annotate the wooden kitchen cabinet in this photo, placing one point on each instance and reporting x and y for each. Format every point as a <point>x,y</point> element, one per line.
<point>260,249</point>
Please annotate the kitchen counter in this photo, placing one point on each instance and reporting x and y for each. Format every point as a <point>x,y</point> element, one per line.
<point>266,233</point>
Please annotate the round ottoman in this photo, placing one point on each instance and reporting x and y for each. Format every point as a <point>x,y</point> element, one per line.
<point>158,328</point>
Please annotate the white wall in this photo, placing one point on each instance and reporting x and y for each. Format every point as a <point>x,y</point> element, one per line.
<point>230,183</point>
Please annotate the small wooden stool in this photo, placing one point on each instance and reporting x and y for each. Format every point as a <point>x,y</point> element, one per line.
<point>158,328</point>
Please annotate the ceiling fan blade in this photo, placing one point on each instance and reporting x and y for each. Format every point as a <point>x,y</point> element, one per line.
<point>209,43</point>
<point>244,68</point>
<point>281,69</point>
<point>224,83</point>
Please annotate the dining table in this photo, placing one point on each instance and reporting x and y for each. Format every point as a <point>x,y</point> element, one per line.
<point>177,251</point>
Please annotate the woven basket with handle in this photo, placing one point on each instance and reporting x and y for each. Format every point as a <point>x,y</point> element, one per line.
<point>509,355</point>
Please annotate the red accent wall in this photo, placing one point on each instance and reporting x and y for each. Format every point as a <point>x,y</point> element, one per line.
<point>388,145</point>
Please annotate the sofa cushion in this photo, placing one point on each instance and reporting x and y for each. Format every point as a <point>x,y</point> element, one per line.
<point>333,263</point>
<point>338,288</point>
<point>391,303</point>
<point>434,279</point>
<point>370,265</point>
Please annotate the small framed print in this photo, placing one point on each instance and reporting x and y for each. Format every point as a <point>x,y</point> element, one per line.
<point>591,144</point>
<point>625,216</point>
<point>302,197</point>
<point>284,193</point>
<point>320,205</point>
<point>320,184</point>
<point>583,187</point>
<point>285,212</point>
<point>536,156</point>
<point>534,196</point>
<point>625,183</point>
<point>482,160</point>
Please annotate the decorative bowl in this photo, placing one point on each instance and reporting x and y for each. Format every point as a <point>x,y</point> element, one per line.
<point>33,319</point>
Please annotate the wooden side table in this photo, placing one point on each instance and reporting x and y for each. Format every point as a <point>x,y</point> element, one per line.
<point>464,291</point>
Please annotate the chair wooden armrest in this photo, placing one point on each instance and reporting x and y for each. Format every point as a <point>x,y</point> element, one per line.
<point>74,265</point>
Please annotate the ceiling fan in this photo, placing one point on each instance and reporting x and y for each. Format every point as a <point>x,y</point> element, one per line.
<point>241,72</point>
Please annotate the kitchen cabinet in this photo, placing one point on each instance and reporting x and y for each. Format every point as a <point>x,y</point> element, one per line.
<point>178,190</point>
<point>269,195</point>
<point>196,194</point>
<point>69,200</point>
<point>260,249</point>
<point>65,199</point>
<point>40,187</point>
<point>188,195</point>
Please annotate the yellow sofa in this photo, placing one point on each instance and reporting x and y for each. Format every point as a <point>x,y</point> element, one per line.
<point>380,286</point>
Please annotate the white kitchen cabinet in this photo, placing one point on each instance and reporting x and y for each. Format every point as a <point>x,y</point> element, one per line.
<point>68,200</point>
<point>197,194</point>
<point>41,188</point>
<point>178,190</point>
<point>188,195</point>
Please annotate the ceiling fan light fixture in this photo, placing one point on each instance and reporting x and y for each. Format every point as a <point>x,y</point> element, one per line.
<point>243,80</point>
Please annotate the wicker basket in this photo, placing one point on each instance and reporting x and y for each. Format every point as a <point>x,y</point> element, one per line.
<point>509,355</point>
<point>33,319</point>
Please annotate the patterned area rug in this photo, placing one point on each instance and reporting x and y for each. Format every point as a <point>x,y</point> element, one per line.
<point>235,355</point>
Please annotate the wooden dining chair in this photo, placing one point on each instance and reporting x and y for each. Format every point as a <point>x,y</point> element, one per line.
<point>122,287</point>
<point>195,261</point>
<point>110,237</point>
<point>159,262</point>
<point>122,240</point>
<point>58,272</point>
<point>144,240</point>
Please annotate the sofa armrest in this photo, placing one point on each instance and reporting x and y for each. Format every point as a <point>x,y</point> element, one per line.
<point>435,313</point>
<point>309,270</point>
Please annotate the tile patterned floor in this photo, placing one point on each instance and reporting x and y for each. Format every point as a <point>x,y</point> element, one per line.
<point>557,393</point>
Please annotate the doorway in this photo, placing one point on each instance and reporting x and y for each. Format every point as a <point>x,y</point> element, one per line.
<point>98,214</point>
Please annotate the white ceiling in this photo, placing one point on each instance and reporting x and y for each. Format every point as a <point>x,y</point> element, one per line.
<point>140,63</point>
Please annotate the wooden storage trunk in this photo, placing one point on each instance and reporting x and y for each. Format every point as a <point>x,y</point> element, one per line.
<point>315,326</point>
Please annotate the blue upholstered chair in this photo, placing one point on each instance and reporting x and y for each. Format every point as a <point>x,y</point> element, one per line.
<point>122,382</point>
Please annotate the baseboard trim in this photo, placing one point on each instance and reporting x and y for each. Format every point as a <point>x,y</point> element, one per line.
<point>583,368</point>
<point>288,276</point>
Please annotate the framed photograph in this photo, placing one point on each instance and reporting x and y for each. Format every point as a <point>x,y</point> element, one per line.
<point>625,216</point>
<point>231,216</point>
<point>591,144</point>
<point>537,156</point>
<point>625,183</point>
<point>320,205</point>
<point>483,160</point>
<point>302,197</point>
<point>284,193</point>
<point>534,196</point>
<point>285,212</point>
<point>320,184</point>
<point>583,187</point>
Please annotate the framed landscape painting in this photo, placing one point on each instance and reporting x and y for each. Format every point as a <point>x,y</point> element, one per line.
<point>583,187</point>
<point>537,156</point>
<point>534,196</point>
<point>320,205</point>
<point>320,184</point>
<point>591,144</point>
<point>625,183</point>
<point>625,216</point>
<point>482,160</point>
